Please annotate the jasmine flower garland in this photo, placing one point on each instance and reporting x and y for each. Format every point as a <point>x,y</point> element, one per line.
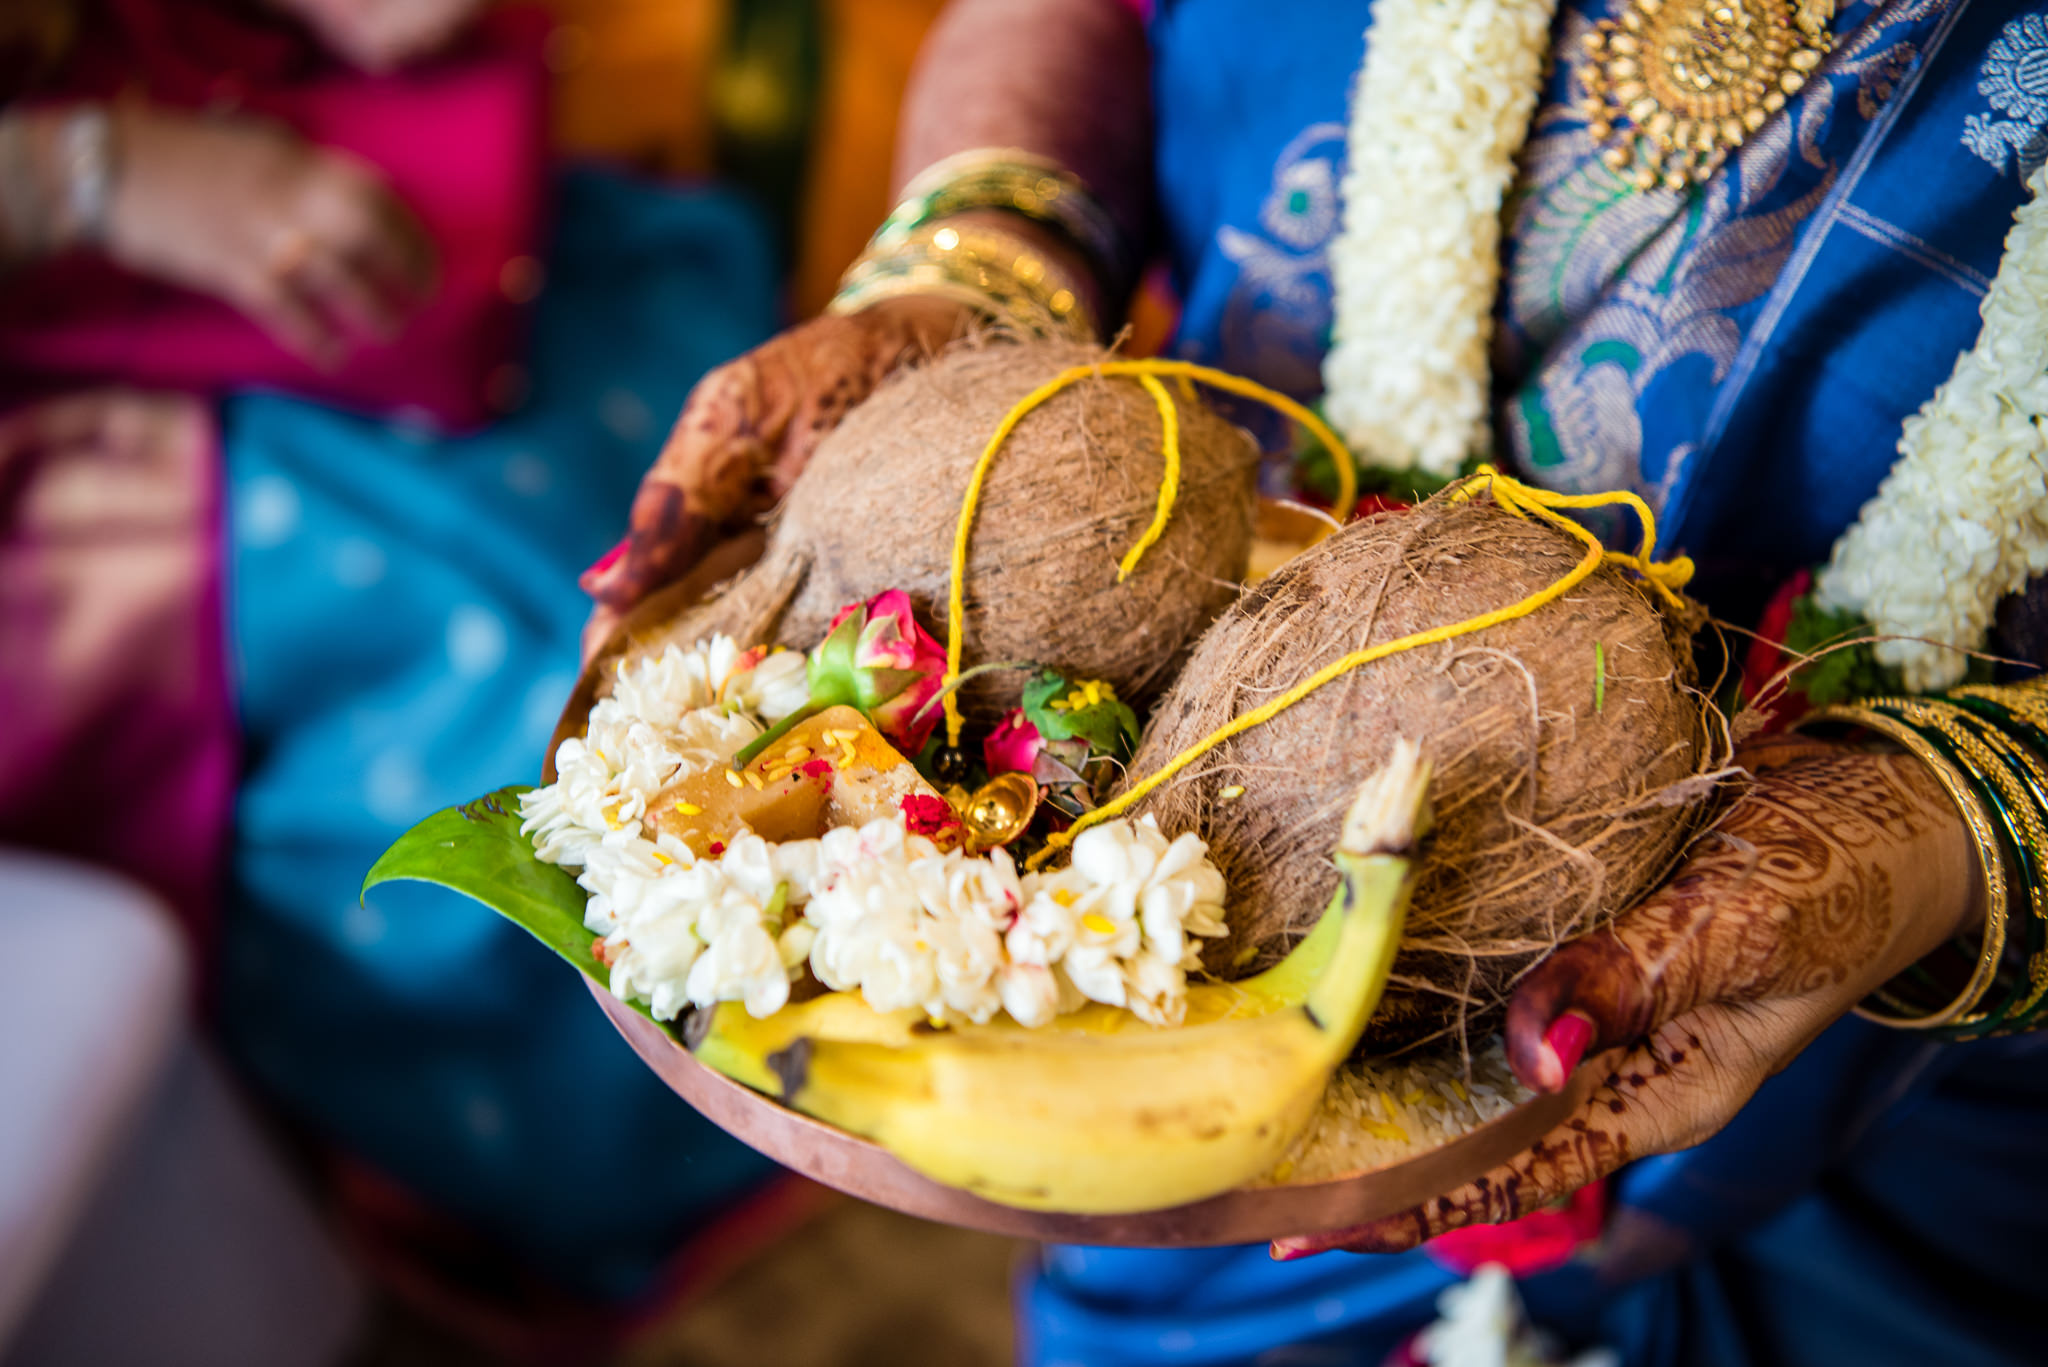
<point>1442,107</point>
<point>875,909</point>
<point>1962,519</point>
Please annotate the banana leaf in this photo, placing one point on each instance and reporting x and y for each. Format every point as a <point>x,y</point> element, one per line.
<point>478,850</point>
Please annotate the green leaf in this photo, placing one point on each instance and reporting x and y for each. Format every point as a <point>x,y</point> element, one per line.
<point>1039,691</point>
<point>1846,672</point>
<point>1109,727</point>
<point>477,850</point>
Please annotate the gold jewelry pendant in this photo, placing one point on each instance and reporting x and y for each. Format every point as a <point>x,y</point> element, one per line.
<point>1674,86</point>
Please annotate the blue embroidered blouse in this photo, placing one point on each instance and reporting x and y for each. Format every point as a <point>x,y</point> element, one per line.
<point>1742,356</point>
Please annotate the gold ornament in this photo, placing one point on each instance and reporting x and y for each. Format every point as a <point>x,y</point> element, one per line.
<point>998,811</point>
<point>1674,86</point>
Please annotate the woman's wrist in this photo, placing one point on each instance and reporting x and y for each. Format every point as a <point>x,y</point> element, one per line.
<point>1010,232</point>
<point>1006,268</point>
<point>1987,747</point>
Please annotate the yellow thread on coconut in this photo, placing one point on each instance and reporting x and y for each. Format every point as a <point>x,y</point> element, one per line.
<point>1169,479</point>
<point>1144,371</point>
<point>1515,497</point>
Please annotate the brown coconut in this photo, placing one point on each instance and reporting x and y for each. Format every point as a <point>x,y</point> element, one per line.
<point>1558,800</point>
<point>1073,488</point>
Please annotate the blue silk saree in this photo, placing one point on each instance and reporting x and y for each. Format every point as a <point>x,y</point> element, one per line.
<point>1742,355</point>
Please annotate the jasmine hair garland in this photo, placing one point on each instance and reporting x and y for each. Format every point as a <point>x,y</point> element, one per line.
<point>1442,106</point>
<point>1962,519</point>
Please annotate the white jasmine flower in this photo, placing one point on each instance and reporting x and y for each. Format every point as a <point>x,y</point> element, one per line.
<point>1156,990</point>
<point>968,959</point>
<point>795,943</point>
<point>772,689</point>
<point>1029,992</point>
<point>658,726</point>
<point>1044,930</point>
<point>741,963</point>
<point>749,863</point>
<point>796,863</point>
<point>1097,973</point>
<point>1131,906</point>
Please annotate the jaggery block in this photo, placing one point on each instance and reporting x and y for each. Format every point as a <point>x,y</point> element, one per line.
<point>832,770</point>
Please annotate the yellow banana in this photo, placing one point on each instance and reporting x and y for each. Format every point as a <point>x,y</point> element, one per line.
<point>1097,1114</point>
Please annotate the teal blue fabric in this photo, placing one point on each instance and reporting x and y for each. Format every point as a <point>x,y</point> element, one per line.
<point>1742,355</point>
<point>405,615</point>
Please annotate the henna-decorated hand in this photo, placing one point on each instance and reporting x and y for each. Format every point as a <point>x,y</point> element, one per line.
<point>746,432</point>
<point>1837,870</point>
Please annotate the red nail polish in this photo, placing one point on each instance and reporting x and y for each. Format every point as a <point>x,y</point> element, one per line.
<point>1284,1251</point>
<point>610,557</point>
<point>1568,1037</point>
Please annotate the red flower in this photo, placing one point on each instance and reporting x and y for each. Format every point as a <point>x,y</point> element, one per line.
<point>1013,746</point>
<point>875,658</point>
<point>893,672</point>
<point>1766,656</point>
<point>925,815</point>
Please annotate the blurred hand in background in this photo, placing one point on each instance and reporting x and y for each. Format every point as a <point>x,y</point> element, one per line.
<point>309,242</point>
<point>382,35</point>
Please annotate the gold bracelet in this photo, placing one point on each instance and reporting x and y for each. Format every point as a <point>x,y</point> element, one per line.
<point>2033,819</point>
<point>2011,794</point>
<point>1990,858</point>
<point>986,269</point>
<point>1020,182</point>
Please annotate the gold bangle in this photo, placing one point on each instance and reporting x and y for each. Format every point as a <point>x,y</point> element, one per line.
<point>2033,818</point>
<point>2012,796</point>
<point>1020,182</point>
<point>986,269</point>
<point>1990,858</point>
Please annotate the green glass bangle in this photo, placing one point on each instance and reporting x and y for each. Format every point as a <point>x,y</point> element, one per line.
<point>2031,731</point>
<point>1979,714</point>
<point>2034,941</point>
<point>2005,795</point>
<point>981,270</point>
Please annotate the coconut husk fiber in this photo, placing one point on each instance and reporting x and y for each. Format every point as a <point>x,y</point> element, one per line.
<point>1554,808</point>
<point>1070,492</point>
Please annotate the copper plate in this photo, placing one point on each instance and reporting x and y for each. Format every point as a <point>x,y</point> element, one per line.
<point>860,1168</point>
<point>1245,1216</point>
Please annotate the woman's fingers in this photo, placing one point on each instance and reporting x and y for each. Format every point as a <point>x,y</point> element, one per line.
<point>713,460</point>
<point>1670,1091</point>
<point>371,232</point>
<point>1835,870</point>
<point>749,428</point>
<point>309,242</point>
<point>73,420</point>
<point>1800,888</point>
<point>285,308</point>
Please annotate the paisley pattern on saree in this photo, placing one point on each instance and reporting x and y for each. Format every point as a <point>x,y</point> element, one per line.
<point>2014,81</point>
<point>1622,310</point>
<point>1279,306</point>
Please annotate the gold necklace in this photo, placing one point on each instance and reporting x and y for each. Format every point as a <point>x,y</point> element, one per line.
<point>1674,86</point>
